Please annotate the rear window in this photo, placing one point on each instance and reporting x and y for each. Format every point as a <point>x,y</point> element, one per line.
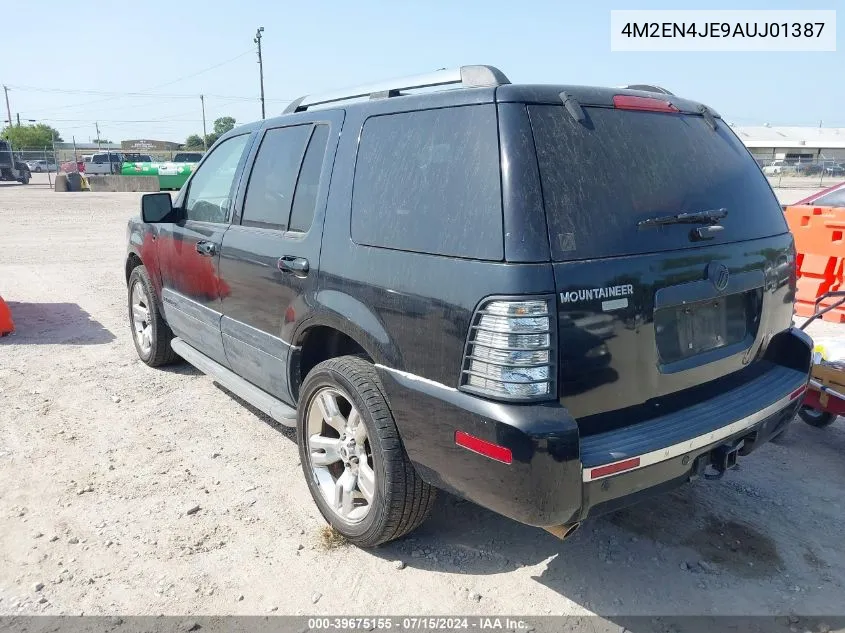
<point>601,177</point>
<point>428,182</point>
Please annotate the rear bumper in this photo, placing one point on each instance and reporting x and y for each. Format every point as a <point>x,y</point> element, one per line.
<point>554,477</point>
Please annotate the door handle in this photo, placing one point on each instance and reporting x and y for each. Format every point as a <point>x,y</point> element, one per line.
<point>206,248</point>
<point>296,265</point>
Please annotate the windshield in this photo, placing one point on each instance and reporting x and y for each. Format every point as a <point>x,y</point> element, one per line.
<point>601,178</point>
<point>833,199</point>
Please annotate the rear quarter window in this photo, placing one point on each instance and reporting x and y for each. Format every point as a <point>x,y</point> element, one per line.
<point>601,177</point>
<point>428,181</point>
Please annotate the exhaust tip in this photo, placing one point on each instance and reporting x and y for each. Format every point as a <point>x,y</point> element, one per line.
<point>563,531</point>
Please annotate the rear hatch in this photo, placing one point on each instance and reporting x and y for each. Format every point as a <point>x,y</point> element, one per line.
<point>657,307</point>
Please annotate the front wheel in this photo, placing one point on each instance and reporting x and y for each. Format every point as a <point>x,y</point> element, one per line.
<point>354,462</point>
<point>816,418</point>
<point>150,332</point>
<point>24,179</point>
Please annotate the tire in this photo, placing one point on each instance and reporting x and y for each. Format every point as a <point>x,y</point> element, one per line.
<point>398,500</point>
<point>152,340</point>
<point>25,178</point>
<point>38,169</point>
<point>816,418</point>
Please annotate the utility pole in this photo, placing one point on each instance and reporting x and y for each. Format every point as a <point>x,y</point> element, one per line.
<point>257,40</point>
<point>97,127</point>
<point>18,114</point>
<point>204,134</point>
<point>8,109</point>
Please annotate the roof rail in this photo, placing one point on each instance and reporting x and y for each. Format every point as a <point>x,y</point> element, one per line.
<point>648,88</point>
<point>466,76</point>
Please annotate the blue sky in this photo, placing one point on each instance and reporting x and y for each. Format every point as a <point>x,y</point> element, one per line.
<point>154,47</point>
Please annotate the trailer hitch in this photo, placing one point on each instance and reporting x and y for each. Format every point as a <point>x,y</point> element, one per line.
<point>722,458</point>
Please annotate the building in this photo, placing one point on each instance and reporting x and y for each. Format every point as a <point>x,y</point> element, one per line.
<point>88,148</point>
<point>149,145</point>
<point>795,144</point>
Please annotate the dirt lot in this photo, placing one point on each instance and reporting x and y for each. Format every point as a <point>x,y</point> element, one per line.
<point>102,457</point>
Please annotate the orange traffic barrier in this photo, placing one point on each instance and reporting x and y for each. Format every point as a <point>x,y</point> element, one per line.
<point>7,326</point>
<point>820,244</point>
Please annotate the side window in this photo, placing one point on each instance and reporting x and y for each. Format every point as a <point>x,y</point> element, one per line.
<point>428,181</point>
<point>305,196</point>
<point>269,194</point>
<point>210,191</point>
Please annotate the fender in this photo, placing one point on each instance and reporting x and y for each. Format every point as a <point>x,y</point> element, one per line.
<point>353,318</point>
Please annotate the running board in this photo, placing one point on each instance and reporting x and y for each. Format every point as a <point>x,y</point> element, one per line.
<point>260,399</point>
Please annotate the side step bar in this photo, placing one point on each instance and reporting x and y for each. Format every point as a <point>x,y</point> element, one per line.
<point>260,399</point>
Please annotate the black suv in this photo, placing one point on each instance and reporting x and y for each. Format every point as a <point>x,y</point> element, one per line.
<point>549,300</point>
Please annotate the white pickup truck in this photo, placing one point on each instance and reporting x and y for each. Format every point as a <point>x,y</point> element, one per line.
<point>104,163</point>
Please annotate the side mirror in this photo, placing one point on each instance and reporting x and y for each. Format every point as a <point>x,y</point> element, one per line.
<point>157,207</point>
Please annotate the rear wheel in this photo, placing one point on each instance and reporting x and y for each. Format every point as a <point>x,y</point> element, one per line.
<point>815,417</point>
<point>354,463</point>
<point>24,179</point>
<point>150,332</point>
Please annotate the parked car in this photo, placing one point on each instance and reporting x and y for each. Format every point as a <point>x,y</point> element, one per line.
<point>834,169</point>
<point>104,163</point>
<point>137,158</point>
<point>408,280</point>
<point>833,196</point>
<point>778,167</point>
<point>808,168</point>
<point>187,157</point>
<point>12,168</point>
<point>41,165</point>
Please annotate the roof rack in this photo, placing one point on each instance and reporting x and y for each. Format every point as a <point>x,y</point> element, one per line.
<point>648,88</point>
<point>466,76</point>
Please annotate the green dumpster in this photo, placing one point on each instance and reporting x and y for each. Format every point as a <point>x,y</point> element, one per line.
<point>170,175</point>
<point>174,175</point>
<point>139,169</point>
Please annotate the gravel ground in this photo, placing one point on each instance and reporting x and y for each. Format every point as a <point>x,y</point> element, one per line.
<point>125,489</point>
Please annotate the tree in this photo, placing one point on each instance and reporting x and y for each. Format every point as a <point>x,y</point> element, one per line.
<point>194,141</point>
<point>223,125</point>
<point>38,135</point>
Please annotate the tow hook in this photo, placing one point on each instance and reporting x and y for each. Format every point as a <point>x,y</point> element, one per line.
<point>722,458</point>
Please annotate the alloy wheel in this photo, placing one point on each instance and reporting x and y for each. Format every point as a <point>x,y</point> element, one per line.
<point>141,326</point>
<point>339,454</point>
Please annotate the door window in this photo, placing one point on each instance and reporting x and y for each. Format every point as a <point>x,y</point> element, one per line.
<point>210,190</point>
<point>305,196</point>
<point>269,194</point>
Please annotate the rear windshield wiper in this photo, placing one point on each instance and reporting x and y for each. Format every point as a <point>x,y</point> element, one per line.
<point>694,217</point>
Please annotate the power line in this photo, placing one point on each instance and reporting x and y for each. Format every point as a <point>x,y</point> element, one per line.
<point>156,95</point>
<point>110,96</point>
<point>204,70</point>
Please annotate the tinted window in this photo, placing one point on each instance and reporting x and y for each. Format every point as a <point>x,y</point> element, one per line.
<point>832,199</point>
<point>601,177</point>
<point>210,188</point>
<point>428,181</point>
<point>270,191</point>
<point>305,197</point>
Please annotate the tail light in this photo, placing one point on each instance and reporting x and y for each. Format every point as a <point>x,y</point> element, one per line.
<point>511,350</point>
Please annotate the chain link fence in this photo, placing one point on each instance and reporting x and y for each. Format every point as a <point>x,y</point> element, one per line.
<point>50,160</point>
<point>803,174</point>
